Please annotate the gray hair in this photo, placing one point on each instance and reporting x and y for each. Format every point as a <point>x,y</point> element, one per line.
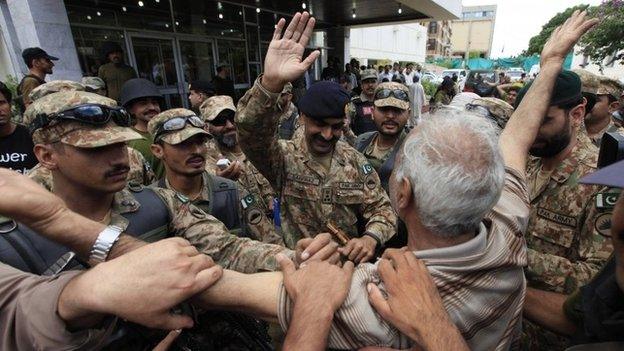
<point>455,169</point>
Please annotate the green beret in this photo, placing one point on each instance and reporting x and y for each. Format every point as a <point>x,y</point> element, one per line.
<point>567,89</point>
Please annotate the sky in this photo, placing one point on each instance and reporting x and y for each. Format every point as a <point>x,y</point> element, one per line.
<point>519,20</point>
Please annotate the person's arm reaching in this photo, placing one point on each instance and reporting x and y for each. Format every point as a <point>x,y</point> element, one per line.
<point>546,309</point>
<point>522,128</point>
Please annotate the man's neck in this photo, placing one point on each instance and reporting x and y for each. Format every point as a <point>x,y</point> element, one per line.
<point>419,239</point>
<point>222,75</point>
<point>141,126</point>
<point>595,127</point>
<point>550,163</point>
<point>369,97</point>
<point>386,141</point>
<point>84,201</point>
<point>37,73</point>
<point>189,186</point>
<point>236,149</point>
<point>7,129</point>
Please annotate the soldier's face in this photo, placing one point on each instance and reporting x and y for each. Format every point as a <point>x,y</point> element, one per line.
<point>102,169</point>
<point>602,109</point>
<point>45,65</point>
<point>5,111</point>
<point>196,98</point>
<point>115,57</point>
<point>555,133</point>
<point>187,158</point>
<point>145,109</point>
<point>617,235</point>
<point>322,136</point>
<point>368,86</point>
<point>224,130</point>
<point>389,120</point>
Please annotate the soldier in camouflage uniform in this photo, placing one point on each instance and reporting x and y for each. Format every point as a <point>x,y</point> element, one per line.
<point>607,102</point>
<point>322,182</point>
<point>180,142</point>
<point>289,120</point>
<point>94,85</point>
<point>360,108</point>
<point>89,174</point>
<point>140,171</point>
<point>495,109</point>
<point>218,112</point>
<point>564,249</point>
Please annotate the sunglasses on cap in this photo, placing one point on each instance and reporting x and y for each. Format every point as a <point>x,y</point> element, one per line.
<point>223,118</point>
<point>92,114</point>
<point>178,123</point>
<point>397,93</point>
<point>483,111</point>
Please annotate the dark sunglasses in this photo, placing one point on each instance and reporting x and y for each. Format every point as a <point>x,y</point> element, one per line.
<point>93,114</point>
<point>178,123</point>
<point>222,119</point>
<point>397,93</point>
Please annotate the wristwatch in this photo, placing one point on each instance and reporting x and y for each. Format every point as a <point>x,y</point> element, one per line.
<point>104,242</point>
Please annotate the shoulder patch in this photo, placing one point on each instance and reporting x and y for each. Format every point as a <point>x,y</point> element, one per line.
<point>367,169</point>
<point>606,200</point>
<point>248,200</point>
<point>603,224</point>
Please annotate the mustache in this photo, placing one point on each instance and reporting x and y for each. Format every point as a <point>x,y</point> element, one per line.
<point>195,156</point>
<point>116,169</point>
<point>320,138</point>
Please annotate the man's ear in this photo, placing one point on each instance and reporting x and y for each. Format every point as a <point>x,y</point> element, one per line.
<point>157,150</point>
<point>404,194</point>
<point>614,106</point>
<point>47,155</point>
<point>577,115</point>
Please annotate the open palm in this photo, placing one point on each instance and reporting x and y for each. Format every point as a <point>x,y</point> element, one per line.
<point>284,59</point>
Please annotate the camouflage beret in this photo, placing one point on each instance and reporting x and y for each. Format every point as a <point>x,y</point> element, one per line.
<point>392,100</point>
<point>589,81</point>
<point>211,108</point>
<point>94,83</point>
<point>75,133</point>
<point>368,74</point>
<point>500,110</point>
<point>54,87</point>
<point>288,87</point>
<point>177,136</point>
<point>609,86</point>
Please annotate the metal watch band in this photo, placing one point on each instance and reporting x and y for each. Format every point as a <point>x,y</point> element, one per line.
<point>104,242</point>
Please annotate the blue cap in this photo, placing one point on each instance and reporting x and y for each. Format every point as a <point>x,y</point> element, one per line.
<point>324,99</point>
<point>612,176</point>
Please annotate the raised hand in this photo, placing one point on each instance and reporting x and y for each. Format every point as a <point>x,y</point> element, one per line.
<point>284,59</point>
<point>564,37</point>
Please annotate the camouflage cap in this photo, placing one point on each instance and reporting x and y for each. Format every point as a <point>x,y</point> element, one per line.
<point>392,100</point>
<point>94,83</point>
<point>177,136</point>
<point>500,110</point>
<point>288,87</point>
<point>54,87</point>
<point>609,86</point>
<point>368,74</point>
<point>211,108</point>
<point>589,81</point>
<point>75,133</point>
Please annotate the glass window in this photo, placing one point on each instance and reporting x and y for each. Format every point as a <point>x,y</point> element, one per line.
<point>233,53</point>
<point>251,15</point>
<point>89,47</point>
<point>212,18</point>
<point>254,71</point>
<point>144,14</point>
<point>253,48</point>
<point>197,61</point>
<point>154,58</point>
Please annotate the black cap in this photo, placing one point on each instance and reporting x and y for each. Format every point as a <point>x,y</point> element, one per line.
<point>203,86</point>
<point>324,99</point>
<point>30,54</point>
<point>567,89</point>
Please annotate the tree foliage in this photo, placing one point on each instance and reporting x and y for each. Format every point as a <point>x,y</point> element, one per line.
<point>536,44</point>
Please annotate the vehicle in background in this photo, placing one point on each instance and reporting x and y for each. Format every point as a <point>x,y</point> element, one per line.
<point>461,76</point>
<point>482,82</point>
<point>535,69</point>
<point>514,75</point>
<point>431,77</point>
<point>515,69</point>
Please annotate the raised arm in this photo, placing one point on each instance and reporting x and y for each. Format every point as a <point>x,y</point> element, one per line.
<point>522,128</point>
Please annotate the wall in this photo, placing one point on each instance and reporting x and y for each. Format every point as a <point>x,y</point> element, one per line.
<point>616,70</point>
<point>399,42</point>
<point>480,36</point>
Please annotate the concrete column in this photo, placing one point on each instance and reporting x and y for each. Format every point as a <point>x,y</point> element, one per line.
<point>44,23</point>
<point>338,40</point>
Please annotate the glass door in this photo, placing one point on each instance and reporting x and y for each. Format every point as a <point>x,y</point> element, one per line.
<point>197,62</point>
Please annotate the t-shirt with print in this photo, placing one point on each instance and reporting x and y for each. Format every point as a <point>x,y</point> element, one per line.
<point>16,151</point>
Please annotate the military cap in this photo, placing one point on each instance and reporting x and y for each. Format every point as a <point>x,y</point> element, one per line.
<point>368,74</point>
<point>324,99</point>
<point>567,89</point>
<point>174,137</point>
<point>589,81</point>
<point>75,133</point>
<point>500,110</point>
<point>54,87</point>
<point>392,100</point>
<point>30,54</point>
<point>93,83</point>
<point>288,87</point>
<point>203,86</point>
<point>211,108</point>
<point>609,86</point>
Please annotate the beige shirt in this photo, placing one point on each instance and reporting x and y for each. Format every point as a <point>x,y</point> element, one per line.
<point>28,314</point>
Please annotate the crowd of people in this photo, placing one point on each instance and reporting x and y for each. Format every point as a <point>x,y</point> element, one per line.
<point>342,221</point>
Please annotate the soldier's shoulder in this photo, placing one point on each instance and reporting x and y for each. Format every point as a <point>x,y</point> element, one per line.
<point>356,99</point>
<point>350,153</point>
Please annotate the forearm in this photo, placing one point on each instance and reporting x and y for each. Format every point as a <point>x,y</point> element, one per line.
<point>549,270</point>
<point>73,305</point>
<point>309,327</point>
<point>546,309</point>
<point>255,294</point>
<point>432,339</point>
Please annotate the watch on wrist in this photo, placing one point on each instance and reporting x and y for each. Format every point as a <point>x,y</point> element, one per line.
<point>104,242</point>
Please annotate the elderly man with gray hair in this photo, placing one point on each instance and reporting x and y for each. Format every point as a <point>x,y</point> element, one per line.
<point>462,194</point>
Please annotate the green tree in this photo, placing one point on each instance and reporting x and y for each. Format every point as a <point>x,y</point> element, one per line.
<point>536,44</point>
<point>606,38</point>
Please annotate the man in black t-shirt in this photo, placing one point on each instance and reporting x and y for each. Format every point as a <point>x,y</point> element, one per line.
<point>16,146</point>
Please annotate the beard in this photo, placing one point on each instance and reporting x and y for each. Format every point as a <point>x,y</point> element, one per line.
<point>554,145</point>
<point>226,140</point>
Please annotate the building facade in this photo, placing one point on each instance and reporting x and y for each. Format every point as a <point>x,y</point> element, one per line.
<point>390,43</point>
<point>439,34</point>
<point>474,32</point>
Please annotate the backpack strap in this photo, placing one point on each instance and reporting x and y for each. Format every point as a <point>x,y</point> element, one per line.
<point>363,140</point>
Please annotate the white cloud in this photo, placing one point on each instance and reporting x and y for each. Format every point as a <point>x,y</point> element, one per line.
<point>517,21</point>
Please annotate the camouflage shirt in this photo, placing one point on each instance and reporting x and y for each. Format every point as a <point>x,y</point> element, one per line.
<point>565,248</point>
<point>311,196</point>
<point>140,171</point>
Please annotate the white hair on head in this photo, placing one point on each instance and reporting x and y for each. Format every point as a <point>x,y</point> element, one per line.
<point>456,171</point>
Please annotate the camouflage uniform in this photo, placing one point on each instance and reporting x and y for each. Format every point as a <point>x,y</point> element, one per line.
<point>498,110</point>
<point>311,196</point>
<point>254,216</point>
<point>54,87</point>
<point>205,232</point>
<point>612,87</point>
